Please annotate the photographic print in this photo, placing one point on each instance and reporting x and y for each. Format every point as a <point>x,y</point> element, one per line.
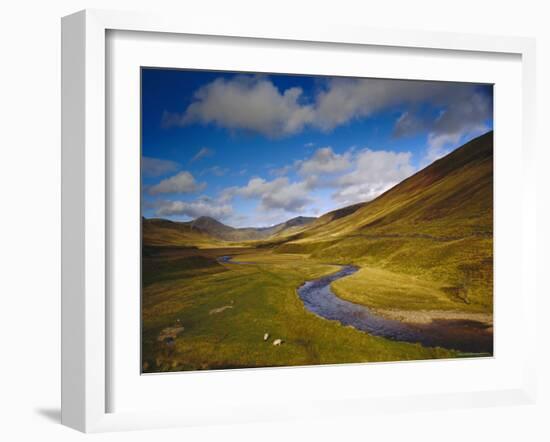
<point>297,220</point>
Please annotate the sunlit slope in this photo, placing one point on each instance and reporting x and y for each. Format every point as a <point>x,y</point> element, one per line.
<point>451,197</point>
<point>436,225</point>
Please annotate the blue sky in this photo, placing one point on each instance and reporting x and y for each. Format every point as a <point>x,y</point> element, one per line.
<point>257,149</point>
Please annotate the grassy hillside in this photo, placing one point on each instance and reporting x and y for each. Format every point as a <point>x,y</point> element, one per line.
<point>436,226</point>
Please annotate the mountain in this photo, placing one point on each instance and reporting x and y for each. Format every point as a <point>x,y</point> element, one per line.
<point>289,227</point>
<point>163,232</point>
<point>218,230</point>
<point>206,229</point>
<point>452,197</point>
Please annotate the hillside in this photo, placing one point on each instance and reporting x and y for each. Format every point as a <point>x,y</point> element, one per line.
<point>436,225</point>
<point>451,197</point>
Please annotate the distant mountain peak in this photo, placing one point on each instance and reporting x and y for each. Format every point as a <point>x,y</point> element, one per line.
<point>299,221</point>
<point>216,229</point>
<point>207,220</point>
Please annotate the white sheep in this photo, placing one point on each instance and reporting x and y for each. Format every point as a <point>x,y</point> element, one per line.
<point>277,342</point>
<point>266,336</point>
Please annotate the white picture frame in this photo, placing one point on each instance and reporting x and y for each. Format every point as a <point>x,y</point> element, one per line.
<point>85,202</point>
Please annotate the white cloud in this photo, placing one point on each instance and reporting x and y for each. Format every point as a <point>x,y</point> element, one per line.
<point>194,209</point>
<point>465,113</point>
<point>279,193</point>
<point>249,103</point>
<point>345,99</point>
<point>204,152</point>
<point>153,167</point>
<point>375,172</point>
<point>258,186</point>
<point>281,171</point>
<point>325,161</point>
<point>183,182</point>
<point>254,103</point>
<point>354,176</point>
<point>440,144</point>
<point>290,197</point>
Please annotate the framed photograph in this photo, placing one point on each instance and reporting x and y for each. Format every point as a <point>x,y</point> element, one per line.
<point>264,222</point>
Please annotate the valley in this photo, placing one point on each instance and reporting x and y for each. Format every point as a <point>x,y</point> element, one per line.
<point>422,254</point>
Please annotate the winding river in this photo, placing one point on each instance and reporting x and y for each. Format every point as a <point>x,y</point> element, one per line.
<point>318,297</point>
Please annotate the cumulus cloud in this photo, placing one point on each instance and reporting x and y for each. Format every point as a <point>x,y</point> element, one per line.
<point>281,171</point>
<point>354,176</point>
<point>375,172</point>
<point>346,98</point>
<point>464,111</point>
<point>325,161</point>
<point>254,103</point>
<point>194,209</point>
<point>204,152</point>
<point>258,186</point>
<point>183,182</point>
<point>290,197</point>
<point>463,105</point>
<point>153,167</point>
<point>249,103</point>
<point>464,115</point>
<point>279,193</point>
<point>464,119</point>
<point>441,144</point>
